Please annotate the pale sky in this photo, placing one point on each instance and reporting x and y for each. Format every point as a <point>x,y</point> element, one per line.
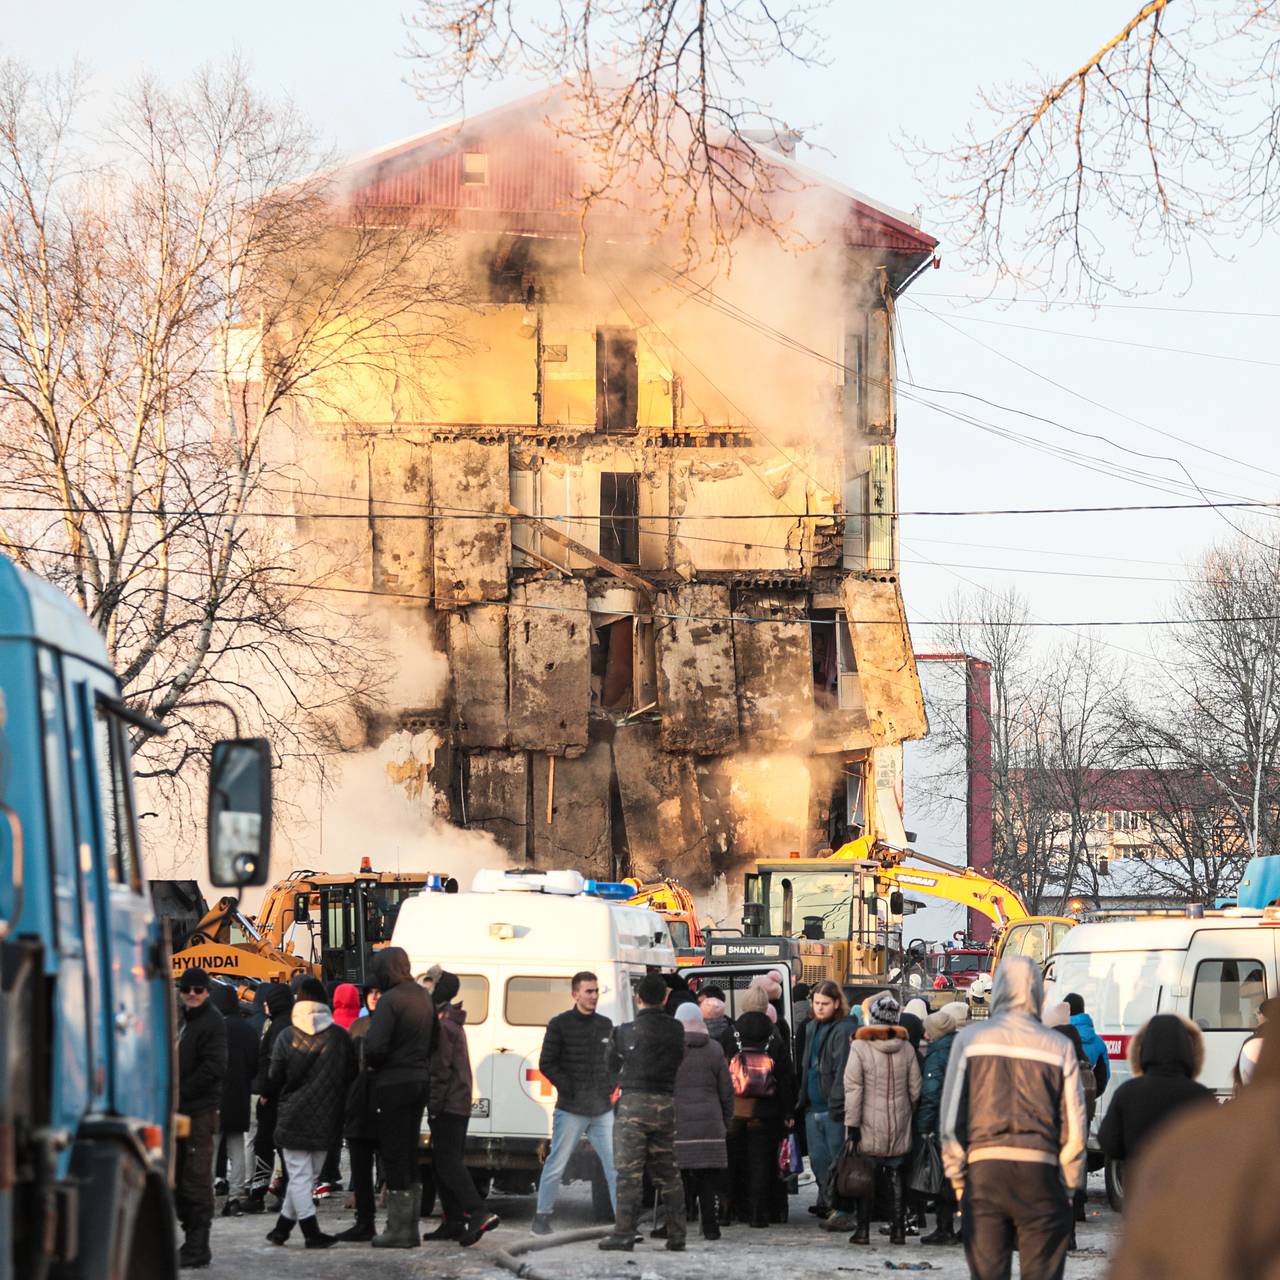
<point>893,71</point>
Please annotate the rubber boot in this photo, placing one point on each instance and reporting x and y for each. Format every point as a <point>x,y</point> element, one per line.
<point>446,1230</point>
<point>710,1219</point>
<point>195,1249</point>
<point>898,1192</point>
<point>946,1230</point>
<point>315,1238</point>
<point>1078,1202</point>
<point>361,1232</point>
<point>401,1231</point>
<point>280,1232</point>
<point>541,1225</point>
<point>475,1225</point>
<point>862,1233</point>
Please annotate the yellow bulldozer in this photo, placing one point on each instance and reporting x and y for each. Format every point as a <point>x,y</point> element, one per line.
<point>328,925</point>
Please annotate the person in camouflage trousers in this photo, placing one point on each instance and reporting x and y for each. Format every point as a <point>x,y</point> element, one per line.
<point>646,1055</point>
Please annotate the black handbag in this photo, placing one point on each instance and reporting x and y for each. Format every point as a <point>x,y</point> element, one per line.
<point>927,1176</point>
<point>855,1177</point>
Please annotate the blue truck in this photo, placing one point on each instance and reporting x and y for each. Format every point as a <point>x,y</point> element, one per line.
<point>87,1124</point>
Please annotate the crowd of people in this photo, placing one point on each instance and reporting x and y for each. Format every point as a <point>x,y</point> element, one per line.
<point>709,1100</point>
<point>306,1070</point>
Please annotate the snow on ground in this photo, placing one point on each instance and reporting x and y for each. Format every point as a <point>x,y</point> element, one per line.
<point>796,1250</point>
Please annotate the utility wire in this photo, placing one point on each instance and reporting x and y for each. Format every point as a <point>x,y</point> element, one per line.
<point>426,512</point>
<point>1109,306</point>
<point>1097,404</point>
<point>1122,342</point>
<point>906,388</point>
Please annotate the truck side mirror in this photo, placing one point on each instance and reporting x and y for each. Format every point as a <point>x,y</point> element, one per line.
<point>301,912</point>
<point>896,902</point>
<point>239,813</point>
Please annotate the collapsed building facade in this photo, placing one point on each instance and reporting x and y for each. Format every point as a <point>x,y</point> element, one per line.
<point>660,557</point>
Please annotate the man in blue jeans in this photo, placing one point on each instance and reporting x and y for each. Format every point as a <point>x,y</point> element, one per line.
<point>575,1060</point>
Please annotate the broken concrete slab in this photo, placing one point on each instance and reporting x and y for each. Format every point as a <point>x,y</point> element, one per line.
<point>471,553</point>
<point>661,807</point>
<point>478,675</point>
<point>886,665</point>
<point>332,499</point>
<point>400,487</point>
<point>497,798</point>
<point>775,672</point>
<point>577,790</point>
<point>697,693</point>
<point>549,660</point>
<point>764,802</point>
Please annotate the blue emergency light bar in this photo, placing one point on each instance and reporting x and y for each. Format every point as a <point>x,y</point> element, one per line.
<point>609,889</point>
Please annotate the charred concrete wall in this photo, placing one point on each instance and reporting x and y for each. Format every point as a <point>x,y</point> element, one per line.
<point>664,584</point>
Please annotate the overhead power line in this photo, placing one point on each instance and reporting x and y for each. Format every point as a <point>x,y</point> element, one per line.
<point>1121,342</point>
<point>424,512</point>
<point>1106,306</point>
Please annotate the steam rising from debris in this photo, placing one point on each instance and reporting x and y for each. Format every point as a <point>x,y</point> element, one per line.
<point>382,804</point>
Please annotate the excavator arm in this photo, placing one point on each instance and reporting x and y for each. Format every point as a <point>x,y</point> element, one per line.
<point>969,888</point>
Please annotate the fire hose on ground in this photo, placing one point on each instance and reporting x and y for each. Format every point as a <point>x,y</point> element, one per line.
<point>510,1259</point>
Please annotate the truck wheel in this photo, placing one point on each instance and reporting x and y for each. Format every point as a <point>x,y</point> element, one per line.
<point>1115,1184</point>
<point>601,1205</point>
<point>153,1246</point>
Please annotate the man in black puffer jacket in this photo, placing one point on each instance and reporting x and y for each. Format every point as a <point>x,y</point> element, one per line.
<point>574,1059</point>
<point>312,1063</point>
<point>202,1064</point>
<point>277,1002</point>
<point>398,1048</point>
<point>647,1054</point>
<point>237,1090</point>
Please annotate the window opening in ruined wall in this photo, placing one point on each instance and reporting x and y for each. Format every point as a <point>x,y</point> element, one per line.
<point>620,516</point>
<point>835,665</point>
<point>617,380</point>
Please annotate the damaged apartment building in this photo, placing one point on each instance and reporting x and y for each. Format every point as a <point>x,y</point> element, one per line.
<point>661,558</point>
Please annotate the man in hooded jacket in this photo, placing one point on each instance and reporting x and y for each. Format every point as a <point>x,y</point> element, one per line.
<point>237,1091</point>
<point>1013,1132</point>
<point>1164,1057</point>
<point>277,1001</point>
<point>398,1048</point>
<point>1196,1197</point>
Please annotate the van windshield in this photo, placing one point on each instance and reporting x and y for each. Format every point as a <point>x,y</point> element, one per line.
<point>1120,989</point>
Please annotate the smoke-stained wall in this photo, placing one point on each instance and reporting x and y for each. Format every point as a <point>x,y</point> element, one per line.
<point>643,528</point>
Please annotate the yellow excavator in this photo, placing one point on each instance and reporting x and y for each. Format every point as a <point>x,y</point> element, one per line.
<point>226,943</point>
<point>671,900</point>
<point>327,925</point>
<point>839,915</point>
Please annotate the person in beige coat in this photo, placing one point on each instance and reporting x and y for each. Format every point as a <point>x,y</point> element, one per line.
<point>881,1088</point>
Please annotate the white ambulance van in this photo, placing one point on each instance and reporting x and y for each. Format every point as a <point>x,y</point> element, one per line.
<point>1215,969</point>
<point>515,941</point>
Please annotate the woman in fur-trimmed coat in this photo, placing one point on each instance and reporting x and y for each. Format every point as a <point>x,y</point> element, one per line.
<point>881,1088</point>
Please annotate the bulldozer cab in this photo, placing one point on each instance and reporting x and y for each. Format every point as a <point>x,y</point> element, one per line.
<point>348,923</point>
<point>847,930</point>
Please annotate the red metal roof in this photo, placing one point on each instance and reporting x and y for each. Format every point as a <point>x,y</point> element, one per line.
<point>534,181</point>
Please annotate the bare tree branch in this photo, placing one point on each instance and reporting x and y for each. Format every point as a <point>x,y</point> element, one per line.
<point>1161,140</point>
<point>170,305</point>
<point>655,90</point>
